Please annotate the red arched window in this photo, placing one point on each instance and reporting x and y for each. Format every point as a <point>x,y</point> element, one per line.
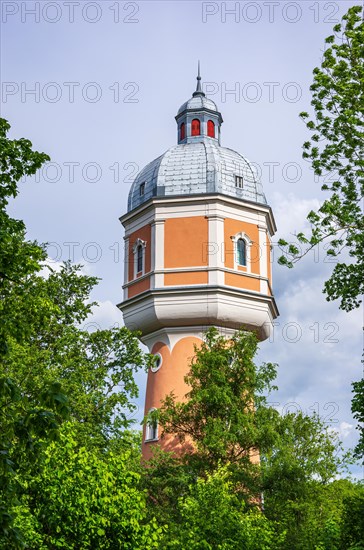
<point>210,128</point>
<point>195,130</point>
<point>182,131</point>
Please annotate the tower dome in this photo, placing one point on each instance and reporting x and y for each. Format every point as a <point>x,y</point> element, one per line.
<point>203,167</point>
<point>198,164</point>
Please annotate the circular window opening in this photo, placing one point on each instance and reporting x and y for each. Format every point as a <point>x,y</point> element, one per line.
<point>157,362</point>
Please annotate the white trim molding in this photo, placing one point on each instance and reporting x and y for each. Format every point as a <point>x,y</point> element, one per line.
<point>248,243</point>
<point>157,253</point>
<point>263,268</point>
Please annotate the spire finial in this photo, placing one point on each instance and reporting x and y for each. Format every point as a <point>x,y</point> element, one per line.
<point>198,86</point>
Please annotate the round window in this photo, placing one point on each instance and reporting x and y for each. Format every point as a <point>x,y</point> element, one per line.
<point>157,362</point>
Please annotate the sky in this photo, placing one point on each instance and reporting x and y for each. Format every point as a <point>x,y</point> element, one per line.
<point>97,85</point>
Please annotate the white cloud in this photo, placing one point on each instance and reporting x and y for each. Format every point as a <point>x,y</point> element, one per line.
<point>291,211</point>
<point>86,268</point>
<point>49,263</point>
<point>345,429</point>
<point>105,315</point>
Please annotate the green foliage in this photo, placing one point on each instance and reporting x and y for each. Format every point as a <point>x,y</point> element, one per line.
<point>17,159</point>
<point>86,498</point>
<point>210,497</point>
<point>213,517</point>
<point>50,369</point>
<point>166,480</point>
<point>95,369</point>
<point>353,521</point>
<point>336,149</point>
<point>225,416</point>
<point>357,408</point>
<point>18,257</point>
<point>315,518</point>
<point>298,472</point>
<point>303,449</point>
<point>24,422</point>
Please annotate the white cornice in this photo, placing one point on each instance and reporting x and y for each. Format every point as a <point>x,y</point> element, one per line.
<point>201,290</point>
<point>230,308</point>
<point>149,207</point>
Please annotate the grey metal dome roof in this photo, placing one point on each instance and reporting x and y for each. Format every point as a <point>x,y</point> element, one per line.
<point>198,102</point>
<point>196,168</point>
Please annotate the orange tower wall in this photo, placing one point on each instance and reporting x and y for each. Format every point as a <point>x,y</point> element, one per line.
<point>185,239</point>
<point>169,378</point>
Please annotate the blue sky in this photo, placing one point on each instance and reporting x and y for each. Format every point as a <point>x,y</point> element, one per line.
<point>109,78</point>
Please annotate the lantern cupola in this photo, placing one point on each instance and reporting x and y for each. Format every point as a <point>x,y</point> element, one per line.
<point>198,119</point>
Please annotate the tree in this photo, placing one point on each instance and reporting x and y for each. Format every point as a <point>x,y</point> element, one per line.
<point>357,408</point>
<point>297,471</point>
<point>23,423</point>
<point>327,517</point>
<point>213,516</point>
<point>95,370</point>
<point>352,532</point>
<point>336,149</point>
<point>225,415</point>
<point>50,369</point>
<point>303,449</point>
<point>86,498</point>
<point>212,495</point>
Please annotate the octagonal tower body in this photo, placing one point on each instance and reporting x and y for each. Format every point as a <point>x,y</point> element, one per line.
<point>198,252</point>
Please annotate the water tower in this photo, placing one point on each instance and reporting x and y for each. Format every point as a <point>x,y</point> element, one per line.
<point>198,251</point>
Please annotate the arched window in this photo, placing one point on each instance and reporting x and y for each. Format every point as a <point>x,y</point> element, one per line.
<point>241,247</point>
<point>195,127</point>
<point>241,252</point>
<point>210,128</point>
<point>151,429</point>
<point>182,131</point>
<point>139,258</point>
